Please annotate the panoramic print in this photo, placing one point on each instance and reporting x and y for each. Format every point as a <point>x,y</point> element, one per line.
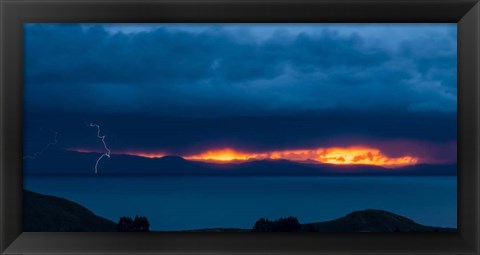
<point>240,127</point>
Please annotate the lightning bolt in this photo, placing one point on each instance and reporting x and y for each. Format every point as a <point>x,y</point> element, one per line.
<point>38,153</point>
<point>102,137</point>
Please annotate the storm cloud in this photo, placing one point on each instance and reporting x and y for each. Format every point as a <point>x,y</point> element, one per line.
<point>184,88</point>
<point>216,70</point>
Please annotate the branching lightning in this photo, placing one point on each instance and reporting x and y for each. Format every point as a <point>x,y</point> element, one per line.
<point>38,153</point>
<point>102,137</point>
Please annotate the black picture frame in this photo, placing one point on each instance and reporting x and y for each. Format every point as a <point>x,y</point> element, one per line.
<point>14,13</point>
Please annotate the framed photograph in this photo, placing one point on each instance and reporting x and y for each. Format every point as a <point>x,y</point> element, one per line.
<point>233,127</point>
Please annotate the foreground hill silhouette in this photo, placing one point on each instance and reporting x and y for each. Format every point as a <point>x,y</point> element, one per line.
<point>372,221</point>
<point>69,162</point>
<point>51,214</point>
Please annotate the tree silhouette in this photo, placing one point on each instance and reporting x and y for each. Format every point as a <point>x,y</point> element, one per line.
<point>262,225</point>
<point>139,224</point>
<point>125,224</point>
<point>289,224</point>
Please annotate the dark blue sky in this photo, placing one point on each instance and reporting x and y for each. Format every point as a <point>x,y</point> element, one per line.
<point>183,87</point>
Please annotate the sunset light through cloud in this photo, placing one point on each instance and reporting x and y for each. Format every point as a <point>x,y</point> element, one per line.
<point>224,155</point>
<point>334,155</point>
<point>354,155</point>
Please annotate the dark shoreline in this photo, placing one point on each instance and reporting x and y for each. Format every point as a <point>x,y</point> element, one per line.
<point>45,213</point>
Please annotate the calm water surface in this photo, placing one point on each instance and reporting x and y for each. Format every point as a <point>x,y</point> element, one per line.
<point>180,203</point>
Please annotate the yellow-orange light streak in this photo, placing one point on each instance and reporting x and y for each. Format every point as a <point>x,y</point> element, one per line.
<point>353,155</point>
<point>144,154</point>
<point>220,155</point>
<point>363,156</point>
<point>336,155</point>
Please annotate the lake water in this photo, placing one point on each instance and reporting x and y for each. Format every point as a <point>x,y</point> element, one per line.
<point>180,203</point>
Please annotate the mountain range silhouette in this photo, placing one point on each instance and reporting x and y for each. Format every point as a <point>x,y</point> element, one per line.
<point>70,162</point>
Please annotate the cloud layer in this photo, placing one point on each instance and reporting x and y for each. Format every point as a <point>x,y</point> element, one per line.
<point>212,70</point>
<point>183,88</point>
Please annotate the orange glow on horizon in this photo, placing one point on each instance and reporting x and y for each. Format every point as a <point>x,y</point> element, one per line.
<point>335,155</point>
<point>363,156</point>
<point>220,155</point>
<point>354,155</point>
<point>144,154</point>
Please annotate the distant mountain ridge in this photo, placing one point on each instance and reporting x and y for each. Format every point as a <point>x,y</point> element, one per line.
<point>70,162</point>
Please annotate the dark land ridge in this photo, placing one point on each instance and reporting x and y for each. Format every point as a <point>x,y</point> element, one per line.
<point>59,162</point>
